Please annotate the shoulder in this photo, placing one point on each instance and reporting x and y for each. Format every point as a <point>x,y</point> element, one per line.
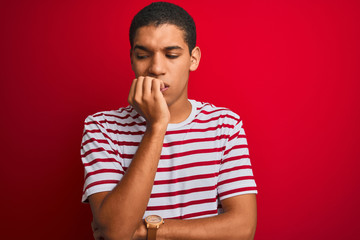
<point>119,117</point>
<point>209,111</point>
<point>111,115</point>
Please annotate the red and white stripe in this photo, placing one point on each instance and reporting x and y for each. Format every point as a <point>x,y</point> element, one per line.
<point>204,159</point>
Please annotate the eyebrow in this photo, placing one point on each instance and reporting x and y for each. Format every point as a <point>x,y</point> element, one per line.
<point>141,48</point>
<point>166,48</point>
<point>173,48</point>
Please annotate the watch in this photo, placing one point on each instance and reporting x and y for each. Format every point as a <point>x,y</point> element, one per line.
<point>153,223</point>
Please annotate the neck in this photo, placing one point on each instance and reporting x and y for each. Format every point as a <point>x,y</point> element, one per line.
<point>180,111</point>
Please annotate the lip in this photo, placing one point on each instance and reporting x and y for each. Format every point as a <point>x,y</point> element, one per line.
<point>166,87</point>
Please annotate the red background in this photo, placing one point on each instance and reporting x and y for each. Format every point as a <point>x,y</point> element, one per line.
<point>289,68</point>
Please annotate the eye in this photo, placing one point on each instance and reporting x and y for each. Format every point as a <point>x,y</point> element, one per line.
<point>141,56</point>
<point>171,56</point>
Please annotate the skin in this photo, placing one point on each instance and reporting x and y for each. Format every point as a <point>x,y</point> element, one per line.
<point>161,62</point>
<point>162,54</point>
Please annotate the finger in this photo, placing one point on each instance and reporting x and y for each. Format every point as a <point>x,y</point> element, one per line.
<point>162,85</point>
<point>139,89</point>
<point>97,235</point>
<point>156,85</point>
<point>93,226</point>
<point>147,86</point>
<point>156,89</point>
<point>96,232</point>
<point>159,86</point>
<point>132,91</point>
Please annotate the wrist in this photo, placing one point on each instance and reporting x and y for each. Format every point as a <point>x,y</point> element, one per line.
<point>157,128</point>
<point>153,224</point>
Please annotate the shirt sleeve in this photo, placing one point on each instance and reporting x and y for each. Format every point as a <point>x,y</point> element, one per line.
<point>103,167</point>
<point>236,175</point>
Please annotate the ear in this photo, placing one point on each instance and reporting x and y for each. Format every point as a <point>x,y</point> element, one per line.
<point>195,58</point>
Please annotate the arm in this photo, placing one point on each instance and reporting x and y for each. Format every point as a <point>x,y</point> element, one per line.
<point>117,213</point>
<point>239,218</point>
<point>237,222</point>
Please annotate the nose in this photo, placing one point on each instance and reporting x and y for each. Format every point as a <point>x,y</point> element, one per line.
<point>157,65</point>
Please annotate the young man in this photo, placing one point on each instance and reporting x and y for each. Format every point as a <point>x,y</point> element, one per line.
<point>165,156</point>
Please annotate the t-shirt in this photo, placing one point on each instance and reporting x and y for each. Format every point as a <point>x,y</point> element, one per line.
<point>204,159</point>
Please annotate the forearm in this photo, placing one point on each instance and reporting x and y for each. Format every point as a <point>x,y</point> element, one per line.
<point>121,210</point>
<point>224,226</point>
<point>237,222</point>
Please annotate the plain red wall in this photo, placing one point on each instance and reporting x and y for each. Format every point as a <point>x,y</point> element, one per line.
<point>289,68</point>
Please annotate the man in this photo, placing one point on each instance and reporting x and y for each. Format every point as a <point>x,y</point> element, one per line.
<point>165,156</point>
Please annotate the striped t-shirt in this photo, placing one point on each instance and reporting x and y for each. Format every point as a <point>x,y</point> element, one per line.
<point>204,159</point>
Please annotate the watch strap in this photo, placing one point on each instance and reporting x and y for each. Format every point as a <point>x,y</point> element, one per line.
<point>151,233</point>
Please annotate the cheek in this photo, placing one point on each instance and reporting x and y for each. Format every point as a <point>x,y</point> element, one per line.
<point>183,67</point>
<point>182,78</point>
<point>138,69</point>
<point>185,70</point>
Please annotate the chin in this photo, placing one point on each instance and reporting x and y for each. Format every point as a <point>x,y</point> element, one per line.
<point>169,102</point>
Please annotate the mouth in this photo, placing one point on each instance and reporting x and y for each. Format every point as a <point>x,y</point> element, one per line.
<point>164,88</point>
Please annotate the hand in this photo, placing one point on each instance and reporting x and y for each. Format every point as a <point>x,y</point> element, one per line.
<point>96,232</point>
<point>141,232</point>
<point>146,97</point>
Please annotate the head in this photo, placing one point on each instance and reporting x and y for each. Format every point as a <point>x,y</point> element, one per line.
<point>159,13</point>
<point>161,36</point>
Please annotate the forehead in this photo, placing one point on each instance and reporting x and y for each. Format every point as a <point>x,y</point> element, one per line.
<point>158,37</point>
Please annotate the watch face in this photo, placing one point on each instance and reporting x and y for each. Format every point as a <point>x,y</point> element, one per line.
<point>153,219</point>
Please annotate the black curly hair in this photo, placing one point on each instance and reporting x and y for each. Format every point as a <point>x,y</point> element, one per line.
<point>159,13</point>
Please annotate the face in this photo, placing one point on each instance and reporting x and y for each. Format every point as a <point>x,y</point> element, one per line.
<point>161,52</point>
